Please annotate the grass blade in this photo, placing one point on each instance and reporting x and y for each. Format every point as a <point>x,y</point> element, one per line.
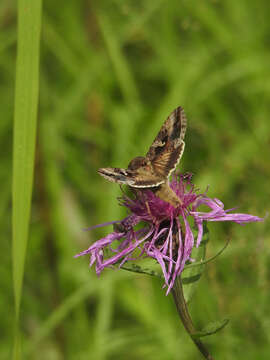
<point>25,118</point>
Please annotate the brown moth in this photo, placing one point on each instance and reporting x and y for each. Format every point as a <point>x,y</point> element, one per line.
<point>153,170</point>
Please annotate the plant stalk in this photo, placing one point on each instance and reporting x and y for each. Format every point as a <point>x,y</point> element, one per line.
<point>181,305</point>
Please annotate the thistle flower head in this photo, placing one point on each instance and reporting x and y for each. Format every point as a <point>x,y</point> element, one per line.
<point>165,234</point>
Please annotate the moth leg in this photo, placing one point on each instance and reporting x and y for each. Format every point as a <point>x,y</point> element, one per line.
<point>148,209</point>
<point>149,212</point>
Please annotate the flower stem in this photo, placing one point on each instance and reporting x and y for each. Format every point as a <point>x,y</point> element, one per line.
<point>179,300</point>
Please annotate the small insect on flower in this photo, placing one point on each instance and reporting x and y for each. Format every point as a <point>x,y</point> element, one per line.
<point>164,208</point>
<point>153,170</point>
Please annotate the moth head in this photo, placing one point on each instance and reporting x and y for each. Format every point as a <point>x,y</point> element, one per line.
<point>137,163</point>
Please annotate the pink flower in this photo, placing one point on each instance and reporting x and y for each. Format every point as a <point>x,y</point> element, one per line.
<point>166,235</point>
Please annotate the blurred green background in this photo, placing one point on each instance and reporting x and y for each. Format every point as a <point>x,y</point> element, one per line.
<point>110,73</point>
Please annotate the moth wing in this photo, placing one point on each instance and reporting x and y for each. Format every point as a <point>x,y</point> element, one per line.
<point>140,178</point>
<point>118,175</point>
<point>143,178</point>
<point>166,162</point>
<point>168,146</point>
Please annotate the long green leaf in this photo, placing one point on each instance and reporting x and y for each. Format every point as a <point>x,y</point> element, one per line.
<point>25,118</point>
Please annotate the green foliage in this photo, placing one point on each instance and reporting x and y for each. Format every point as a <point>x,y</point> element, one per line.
<point>110,74</point>
<point>211,328</point>
<point>25,117</point>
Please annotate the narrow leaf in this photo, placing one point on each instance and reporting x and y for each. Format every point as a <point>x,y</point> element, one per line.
<point>211,328</point>
<point>212,258</point>
<point>141,270</point>
<point>25,117</point>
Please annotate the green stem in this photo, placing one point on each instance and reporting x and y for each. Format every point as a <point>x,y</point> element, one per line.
<point>182,309</point>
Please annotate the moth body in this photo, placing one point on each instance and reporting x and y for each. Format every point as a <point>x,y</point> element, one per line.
<point>165,192</point>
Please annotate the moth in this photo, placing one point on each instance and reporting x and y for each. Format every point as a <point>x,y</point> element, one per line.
<point>154,169</point>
